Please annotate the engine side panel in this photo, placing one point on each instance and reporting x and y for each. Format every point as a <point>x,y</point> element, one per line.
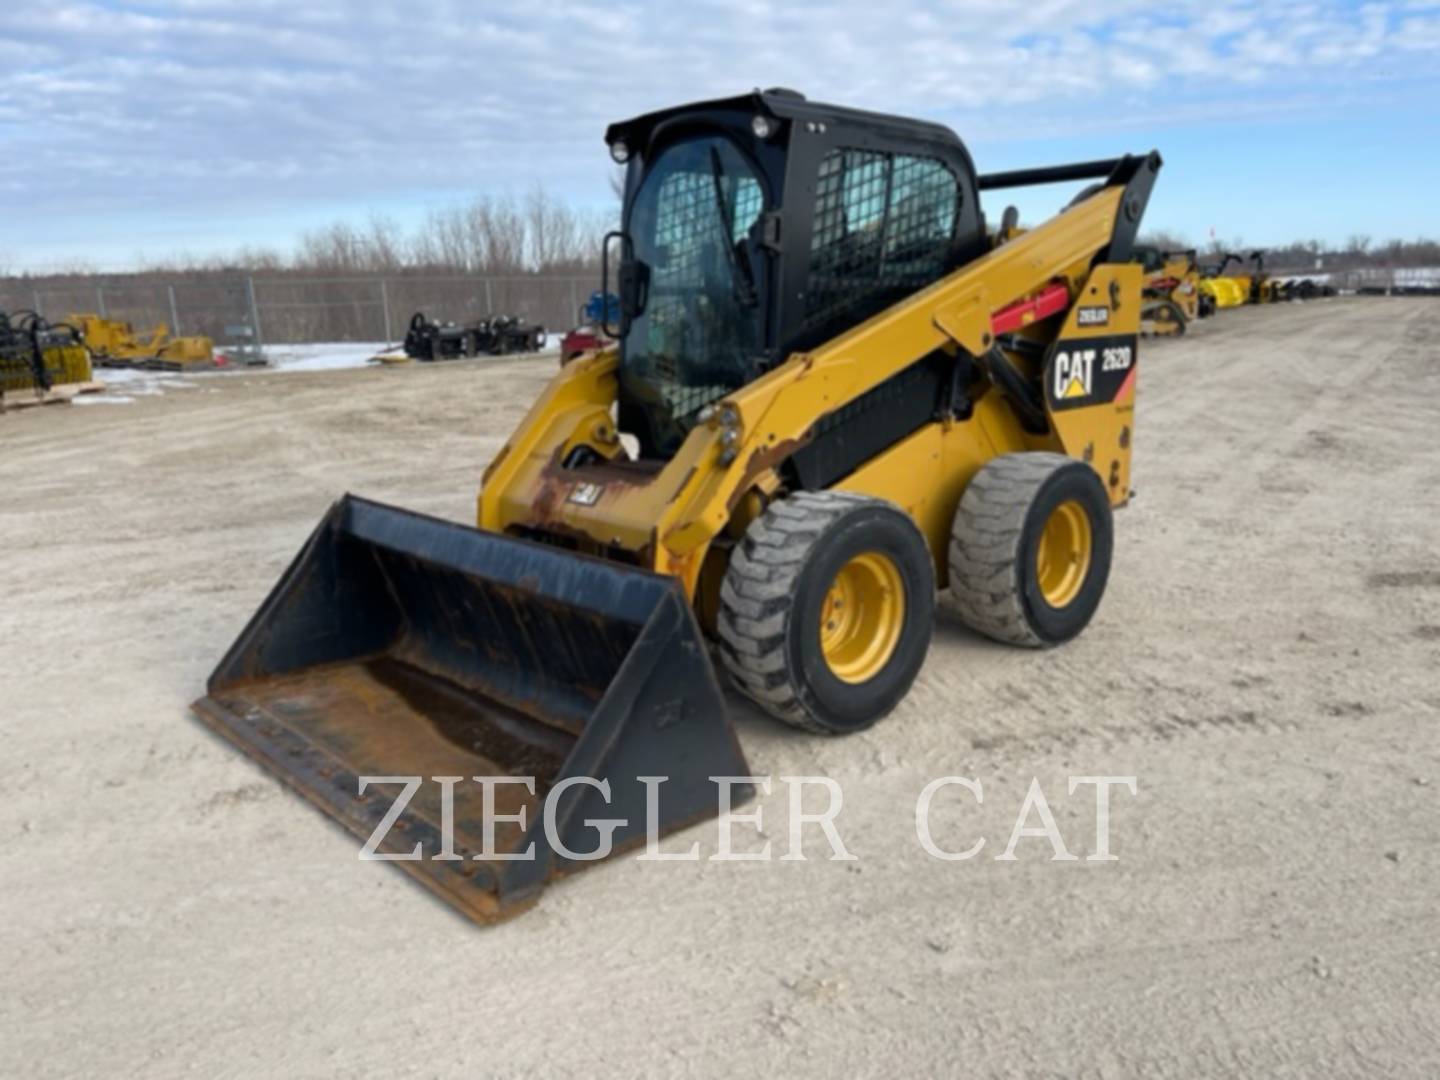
<point>1090,372</point>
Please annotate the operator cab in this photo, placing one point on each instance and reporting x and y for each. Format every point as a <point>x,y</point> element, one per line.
<point>764,224</point>
<point>1151,259</point>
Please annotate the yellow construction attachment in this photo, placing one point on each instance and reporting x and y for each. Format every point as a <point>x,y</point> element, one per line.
<point>1226,292</point>
<point>115,343</point>
<point>37,354</point>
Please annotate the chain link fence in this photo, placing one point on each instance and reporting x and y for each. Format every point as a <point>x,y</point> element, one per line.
<point>240,309</point>
<point>244,309</point>
<point>1388,278</point>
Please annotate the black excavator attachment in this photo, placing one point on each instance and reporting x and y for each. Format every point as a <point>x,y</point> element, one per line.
<point>402,646</point>
<point>497,335</point>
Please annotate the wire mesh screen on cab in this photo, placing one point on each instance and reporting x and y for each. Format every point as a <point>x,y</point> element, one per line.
<point>883,228</point>
<point>698,333</point>
<point>690,232</point>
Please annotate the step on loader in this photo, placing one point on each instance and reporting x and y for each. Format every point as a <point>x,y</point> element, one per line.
<point>834,393</point>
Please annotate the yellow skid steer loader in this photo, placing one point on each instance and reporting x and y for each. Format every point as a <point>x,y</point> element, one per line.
<point>834,393</point>
<point>1171,291</point>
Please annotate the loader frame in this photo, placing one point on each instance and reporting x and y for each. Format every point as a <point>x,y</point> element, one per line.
<point>993,326</point>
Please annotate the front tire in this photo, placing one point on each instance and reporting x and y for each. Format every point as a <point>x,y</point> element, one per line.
<point>827,609</point>
<point>1030,549</point>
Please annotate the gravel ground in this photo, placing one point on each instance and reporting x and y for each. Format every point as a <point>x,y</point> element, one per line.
<point>1265,665</point>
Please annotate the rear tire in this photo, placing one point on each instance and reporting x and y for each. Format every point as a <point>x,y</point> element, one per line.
<point>1030,549</point>
<point>827,609</point>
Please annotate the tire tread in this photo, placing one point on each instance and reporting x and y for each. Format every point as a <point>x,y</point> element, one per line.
<point>984,554</point>
<point>757,593</point>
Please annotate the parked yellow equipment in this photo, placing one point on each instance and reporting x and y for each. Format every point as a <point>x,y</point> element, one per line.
<point>1171,291</point>
<point>1263,288</point>
<point>115,344</point>
<point>36,354</point>
<point>1225,292</point>
<point>840,395</point>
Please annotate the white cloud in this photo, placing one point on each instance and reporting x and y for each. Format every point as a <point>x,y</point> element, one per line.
<point>209,105</point>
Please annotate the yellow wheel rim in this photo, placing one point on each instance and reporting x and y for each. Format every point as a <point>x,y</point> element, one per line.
<point>861,619</point>
<point>1062,558</point>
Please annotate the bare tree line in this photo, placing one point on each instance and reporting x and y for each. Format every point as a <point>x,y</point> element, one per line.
<point>490,235</point>
<point>1358,252</point>
<point>536,256</point>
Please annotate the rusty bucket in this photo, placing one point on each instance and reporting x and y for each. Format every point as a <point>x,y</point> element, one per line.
<point>402,646</point>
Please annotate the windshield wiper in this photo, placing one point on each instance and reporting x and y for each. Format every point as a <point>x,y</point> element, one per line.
<point>743,279</point>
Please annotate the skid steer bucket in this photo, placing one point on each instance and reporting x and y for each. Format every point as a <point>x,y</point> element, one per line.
<point>402,646</point>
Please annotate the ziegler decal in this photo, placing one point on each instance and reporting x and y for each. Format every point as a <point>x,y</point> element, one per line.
<point>1093,316</point>
<point>585,494</point>
<point>1091,371</point>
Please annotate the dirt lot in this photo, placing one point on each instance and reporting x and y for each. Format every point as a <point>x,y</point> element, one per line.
<point>1265,665</point>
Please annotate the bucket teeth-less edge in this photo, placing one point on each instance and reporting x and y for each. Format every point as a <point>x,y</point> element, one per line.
<point>393,646</point>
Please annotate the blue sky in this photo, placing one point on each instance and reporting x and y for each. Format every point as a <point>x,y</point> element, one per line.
<point>134,130</point>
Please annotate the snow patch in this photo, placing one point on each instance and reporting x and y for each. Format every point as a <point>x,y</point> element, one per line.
<point>323,356</point>
<point>316,356</point>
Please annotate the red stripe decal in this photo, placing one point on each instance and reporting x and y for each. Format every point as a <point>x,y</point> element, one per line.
<point>1127,388</point>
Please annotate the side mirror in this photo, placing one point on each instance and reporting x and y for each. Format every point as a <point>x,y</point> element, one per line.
<point>606,326</point>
